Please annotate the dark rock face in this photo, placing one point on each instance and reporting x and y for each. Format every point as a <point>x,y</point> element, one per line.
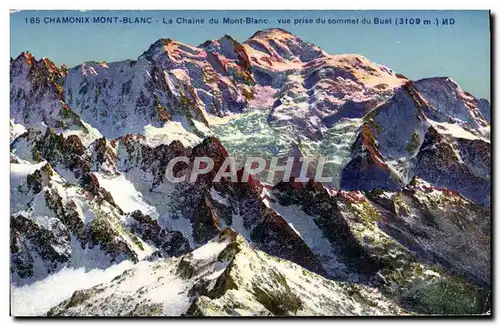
<point>273,235</point>
<point>463,165</point>
<point>65,212</point>
<point>206,226</point>
<point>366,174</point>
<point>484,107</point>
<point>102,234</point>
<point>169,242</point>
<point>316,202</point>
<point>367,169</point>
<point>31,242</point>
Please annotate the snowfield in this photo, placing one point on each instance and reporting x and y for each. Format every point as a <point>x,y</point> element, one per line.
<point>58,287</point>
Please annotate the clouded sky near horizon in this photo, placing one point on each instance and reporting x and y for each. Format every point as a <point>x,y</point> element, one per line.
<point>461,51</point>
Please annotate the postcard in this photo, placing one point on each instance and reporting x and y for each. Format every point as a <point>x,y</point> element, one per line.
<point>250,163</point>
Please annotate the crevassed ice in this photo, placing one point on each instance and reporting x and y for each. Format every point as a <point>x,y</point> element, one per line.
<point>251,135</point>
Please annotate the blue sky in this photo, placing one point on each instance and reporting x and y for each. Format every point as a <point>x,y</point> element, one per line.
<point>461,51</point>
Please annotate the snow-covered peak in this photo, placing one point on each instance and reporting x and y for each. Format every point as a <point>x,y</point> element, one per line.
<point>449,102</point>
<point>172,49</point>
<point>272,33</point>
<point>226,46</point>
<point>360,69</point>
<point>279,50</point>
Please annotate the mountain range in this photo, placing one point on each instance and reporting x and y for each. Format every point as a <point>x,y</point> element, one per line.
<point>404,227</point>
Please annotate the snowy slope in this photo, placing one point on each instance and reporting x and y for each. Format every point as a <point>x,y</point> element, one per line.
<point>224,277</point>
<point>58,287</point>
